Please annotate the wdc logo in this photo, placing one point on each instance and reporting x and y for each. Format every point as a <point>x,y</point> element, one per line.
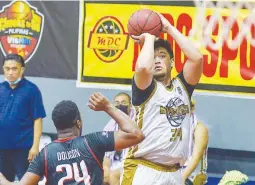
<point>175,111</point>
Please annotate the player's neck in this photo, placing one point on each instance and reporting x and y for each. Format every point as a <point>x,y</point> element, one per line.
<point>66,133</point>
<point>165,81</point>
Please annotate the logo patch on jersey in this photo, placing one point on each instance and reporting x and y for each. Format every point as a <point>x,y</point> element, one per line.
<point>175,111</point>
<point>105,134</point>
<point>179,90</point>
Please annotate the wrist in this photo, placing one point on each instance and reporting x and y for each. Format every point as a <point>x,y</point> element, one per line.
<point>35,145</point>
<point>150,37</point>
<point>109,108</point>
<point>169,29</point>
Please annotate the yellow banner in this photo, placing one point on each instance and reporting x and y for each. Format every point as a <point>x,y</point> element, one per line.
<point>107,55</point>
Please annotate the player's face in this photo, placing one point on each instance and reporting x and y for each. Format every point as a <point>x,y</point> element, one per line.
<point>123,103</point>
<point>12,70</point>
<point>161,65</point>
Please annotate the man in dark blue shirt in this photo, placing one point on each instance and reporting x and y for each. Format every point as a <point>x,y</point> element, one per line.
<point>21,113</point>
<point>75,159</point>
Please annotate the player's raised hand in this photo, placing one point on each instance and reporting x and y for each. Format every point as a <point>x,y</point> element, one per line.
<point>165,23</point>
<point>141,38</point>
<point>98,102</point>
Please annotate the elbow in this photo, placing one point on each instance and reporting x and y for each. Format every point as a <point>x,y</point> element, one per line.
<point>140,136</point>
<point>142,69</point>
<point>143,65</point>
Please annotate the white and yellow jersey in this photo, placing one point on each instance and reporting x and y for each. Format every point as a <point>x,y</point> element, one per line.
<point>164,119</point>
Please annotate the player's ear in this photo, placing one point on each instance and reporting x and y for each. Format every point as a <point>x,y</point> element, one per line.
<point>79,124</point>
<point>22,71</point>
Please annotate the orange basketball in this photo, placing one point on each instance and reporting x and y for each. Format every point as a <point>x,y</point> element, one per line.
<point>144,21</point>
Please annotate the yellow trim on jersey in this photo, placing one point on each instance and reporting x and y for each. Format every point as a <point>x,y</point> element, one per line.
<point>202,164</point>
<point>171,87</point>
<point>129,172</point>
<point>130,167</point>
<point>155,166</point>
<point>203,168</point>
<point>140,117</point>
<point>139,120</point>
<point>185,89</point>
<point>203,161</point>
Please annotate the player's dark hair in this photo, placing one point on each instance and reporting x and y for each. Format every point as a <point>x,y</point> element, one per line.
<point>164,44</point>
<point>14,57</point>
<point>65,114</point>
<point>125,94</point>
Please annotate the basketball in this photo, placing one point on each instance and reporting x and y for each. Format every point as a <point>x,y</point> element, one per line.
<point>144,21</point>
<point>19,10</point>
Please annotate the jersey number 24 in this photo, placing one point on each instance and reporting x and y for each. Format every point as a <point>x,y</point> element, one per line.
<point>72,173</point>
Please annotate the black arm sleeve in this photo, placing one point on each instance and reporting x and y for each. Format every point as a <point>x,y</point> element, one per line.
<point>37,165</point>
<point>101,142</point>
<point>189,88</point>
<point>139,96</point>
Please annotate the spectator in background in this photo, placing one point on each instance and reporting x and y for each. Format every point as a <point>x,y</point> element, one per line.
<point>44,141</point>
<point>113,161</point>
<point>21,114</point>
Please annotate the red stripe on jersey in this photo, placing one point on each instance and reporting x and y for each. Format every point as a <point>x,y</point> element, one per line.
<point>45,164</point>
<point>93,154</point>
<point>64,139</point>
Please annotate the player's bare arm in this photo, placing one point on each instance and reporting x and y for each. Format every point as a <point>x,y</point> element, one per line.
<point>28,179</point>
<point>130,134</point>
<point>200,145</point>
<point>192,70</point>
<point>143,69</point>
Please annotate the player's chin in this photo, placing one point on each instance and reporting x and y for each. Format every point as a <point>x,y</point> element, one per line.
<point>159,74</point>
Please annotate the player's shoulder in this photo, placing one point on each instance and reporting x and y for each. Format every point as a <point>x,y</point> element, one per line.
<point>97,134</point>
<point>3,84</point>
<point>99,138</point>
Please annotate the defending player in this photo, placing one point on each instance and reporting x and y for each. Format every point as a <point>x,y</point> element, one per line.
<point>78,160</point>
<point>163,110</point>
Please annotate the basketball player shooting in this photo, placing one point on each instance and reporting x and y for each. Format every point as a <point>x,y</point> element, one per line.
<point>163,109</point>
<point>75,159</point>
